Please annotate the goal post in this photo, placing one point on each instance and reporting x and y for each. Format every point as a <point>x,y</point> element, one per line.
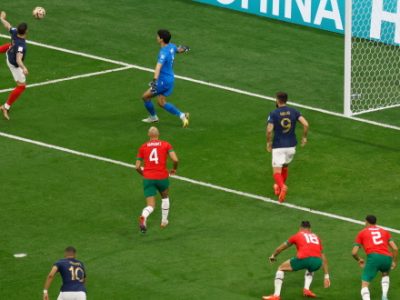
<point>372,56</point>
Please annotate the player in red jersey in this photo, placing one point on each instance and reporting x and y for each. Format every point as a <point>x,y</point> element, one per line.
<point>376,242</point>
<point>154,154</point>
<point>309,257</point>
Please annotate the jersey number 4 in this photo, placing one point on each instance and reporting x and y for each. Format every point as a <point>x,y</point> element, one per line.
<point>154,156</point>
<point>311,239</point>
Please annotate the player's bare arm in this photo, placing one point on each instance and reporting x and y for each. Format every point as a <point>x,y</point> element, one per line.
<point>305,124</point>
<point>138,167</point>
<point>175,162</point>
<point>3,20</point>
<point>278,250</point>
<point>395,251</point>
<point>21,63</point>
<point>48,282</point>
<point>355,255</point>
<point>270,130</point>
<point>327,281</point>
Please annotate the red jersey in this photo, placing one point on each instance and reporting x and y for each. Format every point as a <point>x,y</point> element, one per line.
<point>155,155</point>
<point>374,240</point>
<point>307,243</point>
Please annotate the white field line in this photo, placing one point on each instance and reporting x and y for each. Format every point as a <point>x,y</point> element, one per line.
<point>192,181</point>
<point>70,78</point>
<point>214,85</point>
<point>376,109</point>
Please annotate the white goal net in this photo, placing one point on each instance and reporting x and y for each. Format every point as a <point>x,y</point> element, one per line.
<point>372,59</point>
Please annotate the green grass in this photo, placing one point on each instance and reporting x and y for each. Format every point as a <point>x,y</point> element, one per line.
<point>217,244</point>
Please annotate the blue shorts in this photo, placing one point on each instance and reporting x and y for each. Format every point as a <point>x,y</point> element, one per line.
<point>164,88</point>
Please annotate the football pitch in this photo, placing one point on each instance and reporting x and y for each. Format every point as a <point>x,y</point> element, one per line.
<point>66,176</point>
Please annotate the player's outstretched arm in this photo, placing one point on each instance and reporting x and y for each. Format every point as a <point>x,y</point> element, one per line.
<point>183,49</point>
<point>395,251</point>
<point>48,282</point>
<point>327,281</point>
<point>278,250</point>
<point>138,167</point>
<point>305,124</point>
<point>270,129</point>
<point>175,162</point>
<point>355,255</point>
<point>3,20</point>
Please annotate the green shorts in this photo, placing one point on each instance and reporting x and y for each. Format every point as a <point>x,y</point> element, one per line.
<point>151,186</point>
<point>311,264</point>
<point>376,263</point>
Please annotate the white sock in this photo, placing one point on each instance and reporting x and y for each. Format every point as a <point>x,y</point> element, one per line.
<point>278,282</point>
<point>147,211</point>
<point>365,294</point>
<point>385,285</point>
<point>165,209</point>
<point>182,116</point>
<point>308,278</point>
<point>6,106</point>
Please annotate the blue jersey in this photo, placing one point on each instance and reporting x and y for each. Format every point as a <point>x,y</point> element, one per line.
<point>73,275</point>
<point>18,45</point>
<point>166,58</point>
<point>284,119</point>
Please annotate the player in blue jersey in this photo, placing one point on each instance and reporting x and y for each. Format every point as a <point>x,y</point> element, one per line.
<point>73,276</point>
<point>282,124</point>
<point>163,82</point>
<point>15,52</point>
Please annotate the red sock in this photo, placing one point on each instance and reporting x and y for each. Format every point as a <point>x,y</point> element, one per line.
<point>15,94</point>
<point>279,179</point>
<point>284,173</point>
<point>4,48</point>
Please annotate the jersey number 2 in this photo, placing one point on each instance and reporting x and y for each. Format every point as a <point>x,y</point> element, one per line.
<point>154,156</point>
<point>376,237</point>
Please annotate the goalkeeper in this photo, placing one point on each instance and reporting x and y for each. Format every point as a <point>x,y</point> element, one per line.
<point>163,82</point>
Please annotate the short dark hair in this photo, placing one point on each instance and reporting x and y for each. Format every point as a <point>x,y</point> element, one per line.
<point>305,224</point>
<point>22,28</point>
<point>371,219</point>
<point>165,35</point>
<point>70,249</point>
<point>282,96</point>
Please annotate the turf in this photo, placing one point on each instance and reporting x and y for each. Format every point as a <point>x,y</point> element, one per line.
<point>217,244</point>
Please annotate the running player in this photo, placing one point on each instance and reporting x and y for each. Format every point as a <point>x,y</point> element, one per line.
<point>73,276</point>
<point>282,122</point>
<point>163,82</point>
<point>309,257</point>
<point>376,242</point>
<point>154,154</point>
<point>15,52</point>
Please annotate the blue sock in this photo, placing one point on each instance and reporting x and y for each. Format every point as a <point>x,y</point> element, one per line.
<point>150,108</point>
<point>172,109</point>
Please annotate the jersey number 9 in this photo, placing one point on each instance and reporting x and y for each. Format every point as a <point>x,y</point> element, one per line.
<point>286,124</point>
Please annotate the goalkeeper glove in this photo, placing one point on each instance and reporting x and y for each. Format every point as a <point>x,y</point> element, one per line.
<point>153,86</point>
<point>185,49</point>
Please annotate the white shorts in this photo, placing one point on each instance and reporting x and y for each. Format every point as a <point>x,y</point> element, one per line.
<point>16,72</point>
<point>282,156</point>
<point>72,296</point>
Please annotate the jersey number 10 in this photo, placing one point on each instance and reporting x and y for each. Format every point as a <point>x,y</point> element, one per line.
<point>75,274</point>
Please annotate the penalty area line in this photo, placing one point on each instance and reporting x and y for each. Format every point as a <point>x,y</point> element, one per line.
<point>70,78</point>
<point>210,84</point>
<point>192,181</point>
